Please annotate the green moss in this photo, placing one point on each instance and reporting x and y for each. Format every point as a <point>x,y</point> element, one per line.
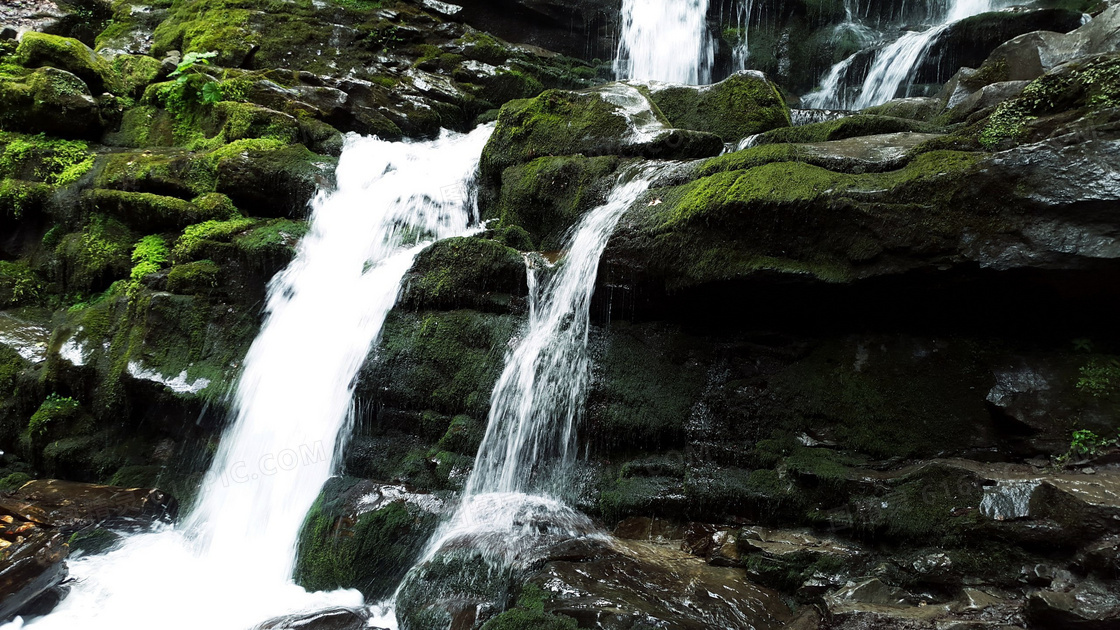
<point>739,106</point>
<point>465,272</point>
<point>192,241</point>
<point>170,173</point>
<point>878,407</point>
<point>200,125</point>
<point>19,285</point>
<point>48,100</point>
<point>136,72</point>
<point>13,481</point>
<point>925,507</point>
<point>521,619</point>
<point>446,362</point>
<point>54,411</point>
<point>92,541</point>
<point>1088,86</point>
<point>271,241</point>
<point>49,160</point>
<point>762,214</point>
<point>64,53</point>
<point>201,276</point>
<point>369,551</point>
<point>548,195</point>
<point>650,380</point>
<point>145,211</point>
<point>554,123</point>
<point>96,256</point>
<point>19,199</point>
<point>148,257</point>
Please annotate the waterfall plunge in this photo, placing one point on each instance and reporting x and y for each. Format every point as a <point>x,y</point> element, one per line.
<point>228,565</point>
<point>665,40</point>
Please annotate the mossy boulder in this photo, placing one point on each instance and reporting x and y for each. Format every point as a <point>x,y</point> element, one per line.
<point>548,195</point>
<point>744,104</point>
<point>147,212</point>
<point>40,49</point>
<point>48,100</point>
<point>95,257</point>
<point>466,272</point>
<point>269,178</point>
<point>347,542</point>
<point>613,120</point>
<point>846,127</point>
<point>445,362</point>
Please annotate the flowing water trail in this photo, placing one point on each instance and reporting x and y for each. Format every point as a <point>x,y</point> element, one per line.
<point>520,475</point>
<point>228,564</point>
<point>665,40</point>
<point>894,65</point>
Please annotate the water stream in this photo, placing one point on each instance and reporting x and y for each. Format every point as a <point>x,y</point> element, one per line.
<point>894,65</point>
<point>228,564</point>
<point>665,40</point>
<point>520,477</point>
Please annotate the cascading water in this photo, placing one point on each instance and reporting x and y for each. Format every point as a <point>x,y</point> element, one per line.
<point>740,54</point>
<point>228,565</point>
<point>894,65</point>
<point>665,40</point>
<point>518,481</point>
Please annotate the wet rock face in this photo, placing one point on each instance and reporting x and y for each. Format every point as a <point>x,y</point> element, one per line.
<point>579,28</point>
<point>38,518</point>
<point>647,584</point>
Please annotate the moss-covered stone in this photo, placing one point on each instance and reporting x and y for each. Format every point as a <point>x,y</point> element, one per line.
<point>48,100</point>
<point>1088,86</point>
<point>648,383</point>
<point>730,210</point>
<point>447,362</point>
<point>466,273</point>
<point>40,49</point>
<point>134,73</point>
<point>44,159</point>
<point>19,285</point>
<point>548,196</point>
<point>742,105</point>
<point>269,178</point>
<point>201,276</point>
<point>847,127</point>
<point>368,550</point>
<point>93,258</point>
<point>519,618</point>
<point>144,211</point>
<point>588,123</point>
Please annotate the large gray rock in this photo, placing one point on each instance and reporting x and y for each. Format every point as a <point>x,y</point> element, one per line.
<point>1031,55</point>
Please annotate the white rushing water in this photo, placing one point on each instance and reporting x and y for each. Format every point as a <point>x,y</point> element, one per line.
<point>740,54</point>
<point>515,494</point>
<point>228,564</point>
<point>894,65</point>
<point>665,40</point>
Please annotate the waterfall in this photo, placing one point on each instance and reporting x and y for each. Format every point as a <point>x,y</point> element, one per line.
<point>228,565</point>
<point>894,65</point>
<point>740,55</point>
<point>519,481</point>
<point>665,40</point>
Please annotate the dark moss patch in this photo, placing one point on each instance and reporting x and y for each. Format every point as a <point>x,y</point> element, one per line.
<point>548,195</point>
<point>847,127</point>
<point>742,105</point>
<point>369,551</point>
<point>466,273</point>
